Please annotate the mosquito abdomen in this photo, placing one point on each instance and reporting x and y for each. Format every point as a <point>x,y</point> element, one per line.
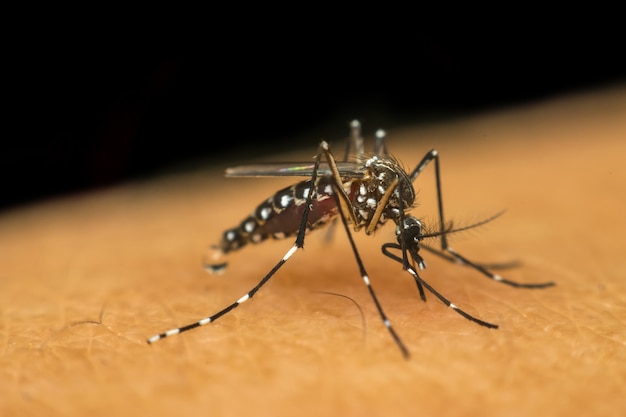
<point>279,217</point>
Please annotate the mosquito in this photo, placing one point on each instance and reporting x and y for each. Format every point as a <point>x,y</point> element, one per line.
<point>364,190</point>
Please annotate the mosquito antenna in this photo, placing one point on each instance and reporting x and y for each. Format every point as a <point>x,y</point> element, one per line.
<point>450,230</point>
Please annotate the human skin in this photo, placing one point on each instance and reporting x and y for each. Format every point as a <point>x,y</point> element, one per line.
<point>87,279</point>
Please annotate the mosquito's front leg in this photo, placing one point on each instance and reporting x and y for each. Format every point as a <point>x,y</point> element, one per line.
<point>433,155</point>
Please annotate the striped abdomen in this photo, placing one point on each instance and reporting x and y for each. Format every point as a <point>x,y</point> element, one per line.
<point>280,215</point>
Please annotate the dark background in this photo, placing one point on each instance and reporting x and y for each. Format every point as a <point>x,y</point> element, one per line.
<point>91,111</point>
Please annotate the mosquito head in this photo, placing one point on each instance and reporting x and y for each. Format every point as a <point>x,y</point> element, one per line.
<point>409,230</point>
<point>409,234</point>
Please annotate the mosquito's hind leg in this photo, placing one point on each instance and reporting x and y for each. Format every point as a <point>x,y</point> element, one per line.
<point>355,144</point>
<point>230,241</point>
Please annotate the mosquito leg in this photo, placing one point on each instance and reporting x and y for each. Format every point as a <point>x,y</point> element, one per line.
<point>385,249</point>
<point>448,303</point>
<point>430,156</point>
<point>346,212</point>
<point>355,144</point>
<point>496,277</point>
<point>366,280</point>
<point>450,258</point>
<point>237,303</point>
<point>299,243</point>
<point>380,148</point>
<point>420,282</point>
<point>445,247</point>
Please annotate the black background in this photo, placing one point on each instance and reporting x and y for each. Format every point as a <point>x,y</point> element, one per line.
<point>93,107</point>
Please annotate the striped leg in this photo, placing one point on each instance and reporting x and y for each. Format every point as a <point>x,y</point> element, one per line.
<point>448,303</point>
<point>299,243</point>
<point>237,303</point>
<point>433,155</point>
<point>421,283</point>
<point>364,275</point>
<point>366,280</point>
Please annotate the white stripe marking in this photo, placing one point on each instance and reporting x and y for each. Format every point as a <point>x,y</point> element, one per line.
<point>291,252</point>
<point>265,213</point>
<point>172,332</point>
<point>285,200</point>
<point>243,299</point>
<point>366,279</point>
<point>249,226</point>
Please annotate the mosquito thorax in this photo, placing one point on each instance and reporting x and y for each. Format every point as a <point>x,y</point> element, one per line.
<point>382,173</point>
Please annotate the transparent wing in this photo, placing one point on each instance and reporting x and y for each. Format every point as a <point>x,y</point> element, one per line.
<point>293,169</point>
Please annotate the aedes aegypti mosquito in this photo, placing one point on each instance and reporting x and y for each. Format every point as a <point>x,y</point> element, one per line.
<point>364,190</point>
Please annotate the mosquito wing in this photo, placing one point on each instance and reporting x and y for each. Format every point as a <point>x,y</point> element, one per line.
<point>294,169</point>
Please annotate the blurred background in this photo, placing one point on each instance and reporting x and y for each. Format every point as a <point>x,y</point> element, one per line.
<point>93,106</point>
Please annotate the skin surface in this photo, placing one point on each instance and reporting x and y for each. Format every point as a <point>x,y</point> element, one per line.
<point>86,279</point>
